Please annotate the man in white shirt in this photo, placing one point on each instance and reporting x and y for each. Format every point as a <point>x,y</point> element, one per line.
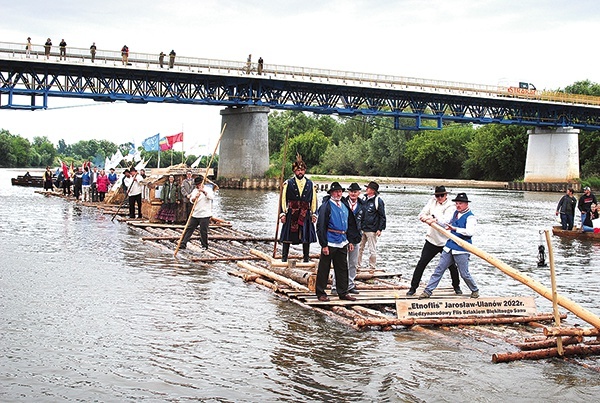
<point>134,190</point>
<point>437,206</point>
<point>202,196</point>
<point>462,224</point>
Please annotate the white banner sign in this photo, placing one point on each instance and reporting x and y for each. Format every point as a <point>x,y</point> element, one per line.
<point>463,307</point>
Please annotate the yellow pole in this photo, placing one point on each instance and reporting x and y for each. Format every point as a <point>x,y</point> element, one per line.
<point>559,345</point>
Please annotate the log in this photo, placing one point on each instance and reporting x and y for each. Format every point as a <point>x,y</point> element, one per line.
<point>223,259</point>
<point>545,353</point>
<point>566,303</point>
<point>548,343</point>
<point>211,237</point>
<point>453,321</point>
<point>570,331</point>
<point>273,276</point>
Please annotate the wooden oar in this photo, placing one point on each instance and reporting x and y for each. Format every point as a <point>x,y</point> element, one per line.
<point>280,192</point>
<point>202,185</point>
<point>545,292</point>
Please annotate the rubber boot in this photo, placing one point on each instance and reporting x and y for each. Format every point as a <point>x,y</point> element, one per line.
<point>306,252</point>
<point>285,251</point>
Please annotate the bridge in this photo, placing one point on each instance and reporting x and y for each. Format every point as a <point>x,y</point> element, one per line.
<point>27,81</point>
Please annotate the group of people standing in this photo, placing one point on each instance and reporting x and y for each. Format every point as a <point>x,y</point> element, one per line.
<point>88,184</point>
<point>587,206</point>
<point>344,227</point>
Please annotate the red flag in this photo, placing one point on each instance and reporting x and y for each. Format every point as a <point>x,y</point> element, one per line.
<point>176,138</point>
<point>65,169</point>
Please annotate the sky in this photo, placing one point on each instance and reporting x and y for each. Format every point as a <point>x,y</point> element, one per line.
<point>549,43</point>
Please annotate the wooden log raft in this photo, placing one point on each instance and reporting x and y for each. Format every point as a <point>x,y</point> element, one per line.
<point>548,343</point>
<point>566,303</point>
<point>572,331</point>
<point>453,321</point>
<point>273,276</point>
<point>545,353</point>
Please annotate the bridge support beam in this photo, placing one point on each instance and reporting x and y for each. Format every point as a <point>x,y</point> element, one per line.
<point>552,155</point>
<point>244,150</point>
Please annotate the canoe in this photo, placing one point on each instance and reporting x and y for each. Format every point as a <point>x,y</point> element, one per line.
<point>31,181</point>
<point>575,234</point>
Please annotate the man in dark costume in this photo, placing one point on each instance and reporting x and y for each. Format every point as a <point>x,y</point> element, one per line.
<point>298,211</point>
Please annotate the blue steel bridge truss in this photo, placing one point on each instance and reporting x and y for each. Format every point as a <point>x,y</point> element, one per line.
<point>29,84</point>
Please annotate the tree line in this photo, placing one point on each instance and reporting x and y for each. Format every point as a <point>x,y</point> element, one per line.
<point>359,145</point>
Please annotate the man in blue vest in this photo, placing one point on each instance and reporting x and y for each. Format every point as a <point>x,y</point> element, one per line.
<point>462,224</point>
<point>335,224</point>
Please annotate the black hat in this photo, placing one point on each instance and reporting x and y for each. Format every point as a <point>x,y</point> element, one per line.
<point>126,170</point>
<point>440,190</point>
<point>373,185</point>
<point>335,186</point>
<point>132,169</point>
<point>198,180</point>
<point>354,186</point>
<point>461,197</point>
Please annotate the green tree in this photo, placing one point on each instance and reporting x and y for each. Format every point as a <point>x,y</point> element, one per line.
<point>584,87</point>
<point>439,154</point>
<point>45,149</point>
<point>7,159</point>
<point>497,152</point>
<point>345,158</point>
<point>589,153</point>
<point>310,145</point>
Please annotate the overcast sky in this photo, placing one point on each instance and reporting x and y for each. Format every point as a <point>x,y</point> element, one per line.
<point>549,43</point>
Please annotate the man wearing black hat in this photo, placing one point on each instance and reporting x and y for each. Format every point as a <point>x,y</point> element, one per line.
<point>461,224</point>
<point>354,204</point>
<point>335,226</point>
<point>298,211</point>
<point>201,213</point>
<point>372,222</point>
<point>437,206</point>
<point>134,191</point>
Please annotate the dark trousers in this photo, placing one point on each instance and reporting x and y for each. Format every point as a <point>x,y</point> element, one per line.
<point>339,256</point>
<point>566,221</point>
<point>132,201</point>
<point>427,254</point>
<point>194,223</point>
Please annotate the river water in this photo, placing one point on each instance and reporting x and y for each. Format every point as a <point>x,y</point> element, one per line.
<point>88,312</point>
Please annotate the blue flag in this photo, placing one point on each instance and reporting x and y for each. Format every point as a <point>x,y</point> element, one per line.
<point>151,143</point>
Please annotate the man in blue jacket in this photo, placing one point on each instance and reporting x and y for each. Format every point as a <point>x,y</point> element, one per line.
<point>335,225</point>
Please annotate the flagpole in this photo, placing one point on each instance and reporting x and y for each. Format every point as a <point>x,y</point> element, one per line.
<point>182,152</point>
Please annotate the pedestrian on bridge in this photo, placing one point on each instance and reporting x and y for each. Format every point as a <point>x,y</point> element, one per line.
<point>93,51</point>
<point>125,54</point>
<point>63,50</point>
<point>249,64</point>
<point>161,59</point>
<point>171,59</point>
<point>47,47</point>
<point>28,47</point>
<point>259,69</point>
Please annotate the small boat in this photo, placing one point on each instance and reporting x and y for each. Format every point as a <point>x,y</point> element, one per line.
<point>31,181</point>
<point>575,233</point>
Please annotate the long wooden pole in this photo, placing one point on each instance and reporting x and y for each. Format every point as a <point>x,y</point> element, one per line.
<point>566,303</point>
<point>187,223</point>
<point>559,340</point>
<point>283,163</point>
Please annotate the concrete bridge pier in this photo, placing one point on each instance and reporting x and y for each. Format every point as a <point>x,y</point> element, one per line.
<point>552,155</point>
<point>244,149</point>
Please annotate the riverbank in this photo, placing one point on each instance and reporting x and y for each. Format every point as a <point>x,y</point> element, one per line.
<point>398,181</point>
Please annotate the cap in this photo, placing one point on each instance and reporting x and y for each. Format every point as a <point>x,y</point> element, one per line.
<point>586,188</point>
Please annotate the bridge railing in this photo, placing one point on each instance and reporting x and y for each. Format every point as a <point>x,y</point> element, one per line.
<point>187,64</point>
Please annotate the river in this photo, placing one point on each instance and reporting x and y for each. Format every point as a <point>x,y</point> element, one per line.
<point>88,312</point>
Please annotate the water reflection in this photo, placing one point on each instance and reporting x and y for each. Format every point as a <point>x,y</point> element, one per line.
<point>90,312</point>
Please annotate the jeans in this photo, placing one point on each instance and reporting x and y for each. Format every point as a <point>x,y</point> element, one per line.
<point>427,254</point>
<point>566,221</point>
<point>462,262</point>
